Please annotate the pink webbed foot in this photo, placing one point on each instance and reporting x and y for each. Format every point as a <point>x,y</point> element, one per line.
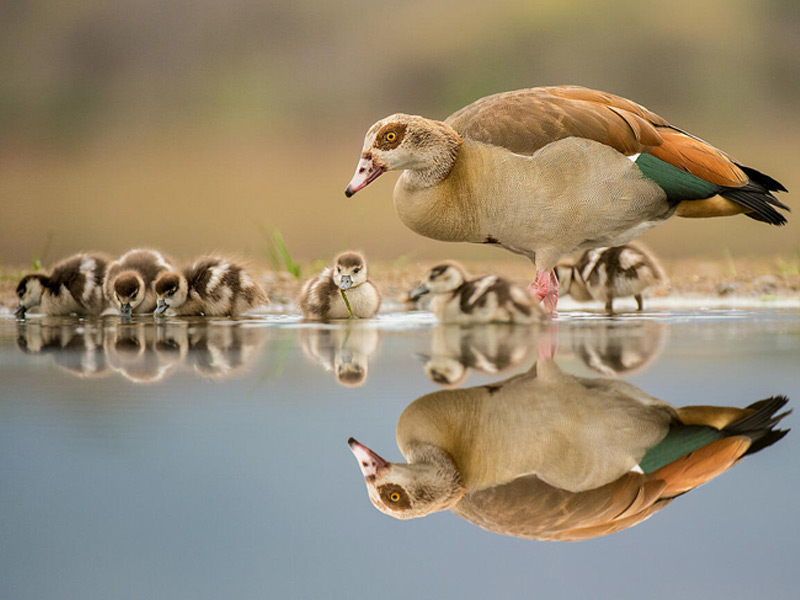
<point>545,288</point>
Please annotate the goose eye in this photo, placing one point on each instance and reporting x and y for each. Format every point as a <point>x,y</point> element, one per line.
<point>171,293</point>
<point>356,270</point>
<point>394,497</point>
<point>21,293</point>
<point>339,269</point>
<point>390,136</point>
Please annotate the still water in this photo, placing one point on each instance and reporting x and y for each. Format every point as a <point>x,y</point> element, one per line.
<point>210,459</point>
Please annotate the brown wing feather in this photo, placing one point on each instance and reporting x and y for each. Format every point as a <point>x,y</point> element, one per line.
<point>698,158</point>
<point>524,121</point>
<point>702,465</point>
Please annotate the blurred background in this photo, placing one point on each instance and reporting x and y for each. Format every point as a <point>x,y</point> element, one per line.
<point>198,126</point>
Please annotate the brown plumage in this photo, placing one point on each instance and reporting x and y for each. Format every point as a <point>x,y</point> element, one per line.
<point>607,273</point>
<point>550,456</point>
<point>73,286</point>
<point>548,171</point>
<point>212,286</point>
<point>321,296</point>
<point>129,281</point>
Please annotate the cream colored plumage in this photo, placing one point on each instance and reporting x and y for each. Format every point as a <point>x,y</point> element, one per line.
<point>321,296</point>
<point>73,286</point>
<point>212,287</point>
<point>129,282</point>
<point>551,456</point>
<point>490,299</point>
<point>607,273</point>
<point>544,172</point>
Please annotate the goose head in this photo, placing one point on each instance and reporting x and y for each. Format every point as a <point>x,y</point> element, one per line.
<point>349,270</point>
<point>29,292</point>
<point>172,290</point>
<point>128,292</point>
<point>428,484</point>
<point>441,279</point>
<point>413,143</point>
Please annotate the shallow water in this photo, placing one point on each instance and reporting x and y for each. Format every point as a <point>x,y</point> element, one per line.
<point>208,459</point>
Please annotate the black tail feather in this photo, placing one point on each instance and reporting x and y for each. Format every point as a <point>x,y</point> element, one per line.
<point>757,196</point>
<point>762,179</point>
<point>760,425</point>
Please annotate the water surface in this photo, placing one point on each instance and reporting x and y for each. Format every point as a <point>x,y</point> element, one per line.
<point>197,459</point>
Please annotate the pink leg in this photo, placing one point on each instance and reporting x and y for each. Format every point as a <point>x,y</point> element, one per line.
<point>545,288</point>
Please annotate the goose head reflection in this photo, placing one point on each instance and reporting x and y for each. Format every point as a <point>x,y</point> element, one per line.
<point>458,350</point>
<point>551,456</point>
<point>342,349</point>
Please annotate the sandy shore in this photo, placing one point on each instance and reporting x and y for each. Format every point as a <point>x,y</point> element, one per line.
<point>754,279</point>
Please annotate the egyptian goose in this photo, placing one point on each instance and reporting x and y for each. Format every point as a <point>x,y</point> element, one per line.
<point>321,296</point>
<point>212,286</point>
<point>129,281</point>
<point>75,285</point>
<point>547,455</point>
<point>607,273</point>
<point>488,299</point>
<point>547,171</point>
<point>344,351</point>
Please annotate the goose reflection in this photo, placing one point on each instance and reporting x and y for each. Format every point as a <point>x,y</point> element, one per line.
<point>344,350</point>
<point>550,456</point>
<point>143,351</point>
<point>457,350</point>
<point>615,349</point>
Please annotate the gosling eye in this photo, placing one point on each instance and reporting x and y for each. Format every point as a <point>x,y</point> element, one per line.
<point>339,269</point>
<point>356,270</point>
<point>20,293</point>
<point>390,136</point>
<point>171,293</point>
<point>394,497</point>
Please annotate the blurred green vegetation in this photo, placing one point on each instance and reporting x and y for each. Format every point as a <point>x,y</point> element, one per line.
<point>183,124</point>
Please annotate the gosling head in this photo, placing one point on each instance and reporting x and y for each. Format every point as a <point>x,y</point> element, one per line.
<point>405,142</point>
<point>441,279</point>
<point>349,270</point>
<point>29,292</point>
<point>128,292</point>
<point>172,290</point>
<point>406,491</point>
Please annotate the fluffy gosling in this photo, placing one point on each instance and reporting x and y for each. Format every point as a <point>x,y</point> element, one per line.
<point>607,273</point>
<point>75,285</point>
<point>129,282</point>
<point>488,299</point>
<point>212,287</point>
<point>321,298</point>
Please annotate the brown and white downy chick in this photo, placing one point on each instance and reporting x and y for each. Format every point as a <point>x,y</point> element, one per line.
<point>212,286</point>
<point>129,282</point>
<point>75,285</point>
<point>321,297</point>
<point>488,299</point>
<point>607,273</point>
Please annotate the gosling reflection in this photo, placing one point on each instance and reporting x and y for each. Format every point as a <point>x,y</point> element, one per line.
<point>76,350</point>
<point>456,351</point>
<point>344,350</point>
<point>143,352</point>
<point>615,349</point>
<point>550,456</point>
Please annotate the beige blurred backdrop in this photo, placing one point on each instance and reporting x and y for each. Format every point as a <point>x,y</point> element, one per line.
<point>198,125</point>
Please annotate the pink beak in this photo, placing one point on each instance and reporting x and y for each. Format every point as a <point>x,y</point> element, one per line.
<point>371,464</point>
<point>367,171</point>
